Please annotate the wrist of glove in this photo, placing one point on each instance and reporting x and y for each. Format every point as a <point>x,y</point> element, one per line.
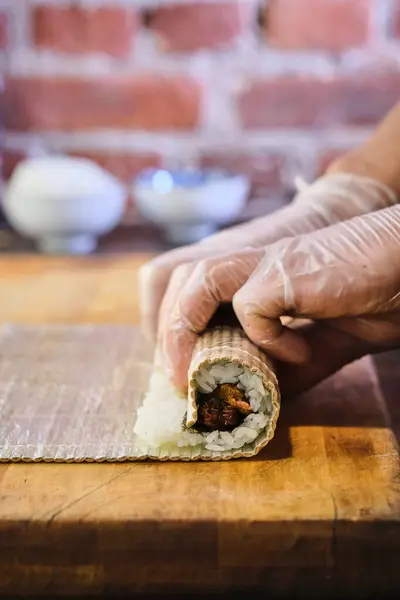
<point>345,278</point>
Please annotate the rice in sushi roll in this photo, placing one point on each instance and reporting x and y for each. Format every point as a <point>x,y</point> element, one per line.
<point>232,404</point>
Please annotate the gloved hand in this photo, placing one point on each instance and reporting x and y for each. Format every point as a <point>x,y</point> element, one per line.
<point>345,278</point>
<point>331,199</point>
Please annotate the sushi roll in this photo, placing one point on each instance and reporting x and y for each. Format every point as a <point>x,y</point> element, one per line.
<point>232,404</point>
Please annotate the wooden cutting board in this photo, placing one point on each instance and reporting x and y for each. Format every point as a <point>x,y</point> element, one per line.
<point>318,512</point>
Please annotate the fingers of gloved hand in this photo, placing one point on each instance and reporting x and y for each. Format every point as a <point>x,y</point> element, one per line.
<point>178,342</point>
<point>331,349</point>
<point>155,275</point>
<point>153,281</point>
<point>193,295</point>
<point>344,270</point>
<point>329,200</point>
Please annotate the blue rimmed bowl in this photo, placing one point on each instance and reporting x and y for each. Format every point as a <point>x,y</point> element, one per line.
<point>190,204</point>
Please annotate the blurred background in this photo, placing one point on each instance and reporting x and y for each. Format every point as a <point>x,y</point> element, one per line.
<point>268,89</point>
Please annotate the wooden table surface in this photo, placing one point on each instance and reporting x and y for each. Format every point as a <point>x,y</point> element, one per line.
<point>318,512</point>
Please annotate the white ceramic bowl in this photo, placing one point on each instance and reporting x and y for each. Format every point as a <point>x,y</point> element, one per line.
<point>63,203</point>
<point>190,204</point>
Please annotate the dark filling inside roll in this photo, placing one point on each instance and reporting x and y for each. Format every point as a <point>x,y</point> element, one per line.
<point>223,409</point>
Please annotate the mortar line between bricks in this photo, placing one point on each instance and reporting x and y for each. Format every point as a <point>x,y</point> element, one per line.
<point>135,140</point>
<point>140,4</point>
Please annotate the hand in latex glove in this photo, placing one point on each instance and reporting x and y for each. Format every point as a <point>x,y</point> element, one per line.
<point>345,278</point>
<point>331,199</point>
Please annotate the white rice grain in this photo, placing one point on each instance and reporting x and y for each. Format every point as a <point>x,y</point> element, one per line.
<point>215,448</point>
<point>211,437</point>
<point>227,437</point>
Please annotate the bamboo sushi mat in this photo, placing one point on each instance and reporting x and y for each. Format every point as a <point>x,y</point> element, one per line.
<point>71,393</point>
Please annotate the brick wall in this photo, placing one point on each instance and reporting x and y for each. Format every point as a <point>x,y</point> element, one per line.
<point>269,87</point>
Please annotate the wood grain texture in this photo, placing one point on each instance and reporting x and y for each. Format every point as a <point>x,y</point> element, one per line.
<point>319,509</point>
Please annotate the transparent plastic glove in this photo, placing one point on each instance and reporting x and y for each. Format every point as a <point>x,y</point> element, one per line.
<point>346,278</point>
<point>193,296</point>
<point>331,199</point>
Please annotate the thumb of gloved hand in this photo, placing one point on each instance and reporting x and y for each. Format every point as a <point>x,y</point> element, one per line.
<point>347,275</point>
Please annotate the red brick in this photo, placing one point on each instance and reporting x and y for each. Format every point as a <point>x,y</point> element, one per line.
<point>184,28</point>
<point>151,102</point>
<point>397,20</point>
<point>265,170</point>
<point>327,24</point>
<point>10,161</point>
<point>122,165</point>
<point>3,31</point>
<point>305,101</point>
<point>77,30</point>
